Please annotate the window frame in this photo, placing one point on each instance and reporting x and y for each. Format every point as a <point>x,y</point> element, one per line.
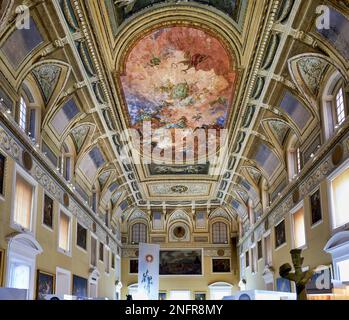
<point>69,215</point>
<point>33,216</point>
<point>23,116</point>
<point>138,223</point>
<point>339,86</point>
<point>92,235</point>
<point>219,236</point>
<point>337,172</point>
<point>299,206</point>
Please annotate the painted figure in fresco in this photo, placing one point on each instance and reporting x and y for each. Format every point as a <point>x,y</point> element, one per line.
<point>300,277</point>
<point>147,280</point>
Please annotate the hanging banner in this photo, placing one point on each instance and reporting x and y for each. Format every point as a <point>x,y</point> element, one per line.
<point>148,271</point>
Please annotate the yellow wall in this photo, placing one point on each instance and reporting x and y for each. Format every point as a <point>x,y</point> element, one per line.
<point>313,253</point>
<point>79,261</point>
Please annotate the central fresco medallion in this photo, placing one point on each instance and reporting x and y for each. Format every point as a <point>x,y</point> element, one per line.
<point>179,77</point>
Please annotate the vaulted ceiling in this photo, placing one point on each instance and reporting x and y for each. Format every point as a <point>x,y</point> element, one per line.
<point>250,67</point>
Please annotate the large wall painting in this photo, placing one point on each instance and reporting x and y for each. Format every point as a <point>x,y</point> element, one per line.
<point>180,262</point>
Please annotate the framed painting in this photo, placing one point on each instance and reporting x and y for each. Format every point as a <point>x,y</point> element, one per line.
<point>283,285</point>
<point>181,262</point>
<point>200,296</point>
<point>2,174</point>
<point>221,266</point>
<point>79,286</point>
<point>134,266</point>
<point>47,219</point>
<point>315,206</point>
<point>81,236</point>
<point>45,284</point>
<point>280,234</point>
<point>162,296</point>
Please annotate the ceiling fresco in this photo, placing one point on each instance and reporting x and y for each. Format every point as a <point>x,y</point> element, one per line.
<point>179,77</point>
<point>120,10</point>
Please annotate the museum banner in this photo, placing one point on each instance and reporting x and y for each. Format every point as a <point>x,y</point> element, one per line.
<point>148,271</point>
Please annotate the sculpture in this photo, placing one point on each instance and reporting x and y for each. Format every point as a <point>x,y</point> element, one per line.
<point>300,277</point>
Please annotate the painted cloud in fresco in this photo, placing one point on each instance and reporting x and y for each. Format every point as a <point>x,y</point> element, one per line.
<point>179,77</point>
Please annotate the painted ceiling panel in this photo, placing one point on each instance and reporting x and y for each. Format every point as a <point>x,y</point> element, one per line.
<point>20,43</point>
<point>47,76</point>
<point>179,77</point>
<point>338,34</point>
<point>79,135</point>
<point>298,113</point>
<point>124,9</point>
<point>267,159</point>
<point>62,118</point>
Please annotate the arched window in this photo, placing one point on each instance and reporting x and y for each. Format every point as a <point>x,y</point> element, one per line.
<point>22,117</point>
<point>219,233</point>
<point>335,105</point>
<point>139,233</point>
<point>339,106</point>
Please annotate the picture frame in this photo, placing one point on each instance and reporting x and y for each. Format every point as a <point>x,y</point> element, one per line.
<point>200,296</point>
<point>280,234</point>
<point>133,266</point>
<point>80,287</point>
<point>187,262</point>
<point>81,236</point>
<point>2,174</point>
<point>162,296</point>
<point>47,218</point>
<point>45,284</point>
<point>221,265</point>
<point>315,207</point>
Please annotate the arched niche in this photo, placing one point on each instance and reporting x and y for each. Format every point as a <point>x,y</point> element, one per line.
<point>21,262</point>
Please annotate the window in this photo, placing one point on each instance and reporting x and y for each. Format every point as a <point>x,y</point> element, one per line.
<point>242,266</point>
<point>107,262</point>
<point>139,233</point>
<point>113,260</point>
<point>268,253</point>
<point>157,221</point>
<point>94,202</point>
<point>340,199</point>
<point>340,111</point>
<point>260,249</point>
<point>81,236</point>
<point>298,163</point>
<point>64,232</point>
<point>101,251</point>
<point>247,259</point>
<point>2,173</point>
<point>298,228</point>
<point>254,259</point>
<point>66,169</point>
<point>23,203</point>
<point>93,251</point>
<point>22,114</point>
<point>219,233</point>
